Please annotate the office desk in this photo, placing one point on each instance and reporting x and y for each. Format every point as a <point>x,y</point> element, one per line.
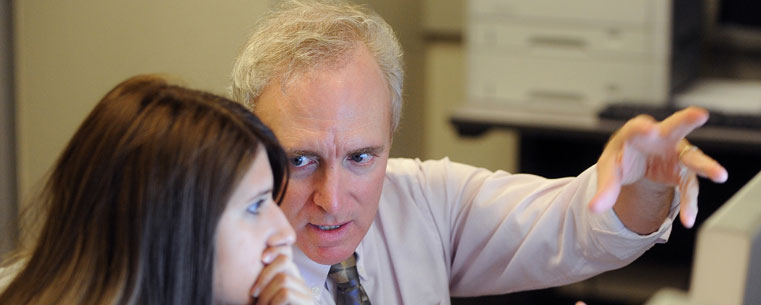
<point>560,145</point>
<point>472,120</point>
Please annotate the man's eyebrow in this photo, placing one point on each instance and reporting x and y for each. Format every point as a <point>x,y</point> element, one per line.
<point>367,150</point>
<point>304,153</point>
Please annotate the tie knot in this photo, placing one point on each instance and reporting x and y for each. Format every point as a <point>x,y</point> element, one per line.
<point>345,271</point>
<point>349,291</point>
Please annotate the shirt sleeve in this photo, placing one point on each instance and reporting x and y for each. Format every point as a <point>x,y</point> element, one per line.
<point>512,232</point>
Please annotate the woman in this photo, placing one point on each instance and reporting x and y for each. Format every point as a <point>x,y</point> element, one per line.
<point>163,196</point>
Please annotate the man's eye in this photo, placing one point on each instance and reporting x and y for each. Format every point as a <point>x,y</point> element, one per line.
<point>361,158</point>
<point>299,161</point>
<point>254,207</point>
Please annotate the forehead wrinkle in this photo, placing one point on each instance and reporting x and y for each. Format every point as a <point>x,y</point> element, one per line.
<point>332,110</point>
<point>317,118</point>
<point>307,140</point>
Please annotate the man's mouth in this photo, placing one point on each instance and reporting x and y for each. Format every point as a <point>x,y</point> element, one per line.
<point>327,228</point>
<point>329,233</point>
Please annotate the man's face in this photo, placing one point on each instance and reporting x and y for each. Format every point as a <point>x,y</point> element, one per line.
<point>334,123</point>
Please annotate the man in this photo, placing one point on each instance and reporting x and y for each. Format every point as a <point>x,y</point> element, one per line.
<point>327,78</point>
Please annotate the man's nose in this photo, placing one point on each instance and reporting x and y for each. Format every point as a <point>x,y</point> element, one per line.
<point>327,190</point>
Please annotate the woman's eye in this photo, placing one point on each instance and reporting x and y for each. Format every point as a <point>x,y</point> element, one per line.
<point>361,158</point>
<point>254,207</point>
<point>299,161</point>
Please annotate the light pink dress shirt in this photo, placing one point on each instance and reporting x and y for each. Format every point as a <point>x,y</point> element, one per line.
<point>447,229</point>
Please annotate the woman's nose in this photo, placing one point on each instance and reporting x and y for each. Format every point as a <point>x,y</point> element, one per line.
<point>283,234</point>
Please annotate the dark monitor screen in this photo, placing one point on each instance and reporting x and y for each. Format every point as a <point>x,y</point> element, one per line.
<point>732,39</point>
<point>740,13</point>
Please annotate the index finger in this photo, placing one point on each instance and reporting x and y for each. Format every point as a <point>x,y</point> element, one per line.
<point>281,264</point>
<point>681,123</point>
<point>271,253</point>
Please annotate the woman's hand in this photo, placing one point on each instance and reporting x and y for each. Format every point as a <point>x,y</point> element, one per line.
<point>280,283</point>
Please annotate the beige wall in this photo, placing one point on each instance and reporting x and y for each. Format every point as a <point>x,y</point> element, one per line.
<point>69,53</point>
<point>445,90</point>
<point>443,15</point>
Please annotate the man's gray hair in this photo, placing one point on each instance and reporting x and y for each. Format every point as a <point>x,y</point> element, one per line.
<point>301,36</point>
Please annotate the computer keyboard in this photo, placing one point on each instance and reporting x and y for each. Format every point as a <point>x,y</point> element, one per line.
<point>625,111</point>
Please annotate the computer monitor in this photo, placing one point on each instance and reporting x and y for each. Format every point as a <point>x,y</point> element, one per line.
<point>727,265</point>
<point>734,24</point>
<point>732,35</point>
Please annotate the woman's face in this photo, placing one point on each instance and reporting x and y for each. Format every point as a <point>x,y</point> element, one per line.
<point>250,224</point>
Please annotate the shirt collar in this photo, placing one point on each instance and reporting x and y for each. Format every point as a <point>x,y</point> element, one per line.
<point>314,274</point>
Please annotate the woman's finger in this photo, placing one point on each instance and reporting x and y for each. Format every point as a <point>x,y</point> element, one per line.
<point>285,289</point>
<point>271,287</point>
<point>271,253</point>
<point>270,271</point>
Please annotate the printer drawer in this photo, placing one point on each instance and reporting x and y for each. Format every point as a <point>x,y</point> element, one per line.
<point>562,83</point>
<point>574,42</point>
<point>624,12</point>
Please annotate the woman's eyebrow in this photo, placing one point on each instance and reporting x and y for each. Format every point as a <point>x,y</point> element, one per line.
<point>262,193</point>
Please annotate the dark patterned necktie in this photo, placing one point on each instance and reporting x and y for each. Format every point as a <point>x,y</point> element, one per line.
<point>345,275</point>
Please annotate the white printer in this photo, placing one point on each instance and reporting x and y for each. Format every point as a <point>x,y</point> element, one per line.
<point>577,56</point>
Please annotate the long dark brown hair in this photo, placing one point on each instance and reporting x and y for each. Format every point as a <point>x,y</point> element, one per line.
<point>132,204</point>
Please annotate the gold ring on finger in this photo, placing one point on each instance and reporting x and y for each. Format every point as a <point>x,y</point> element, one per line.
<point>686,149</point>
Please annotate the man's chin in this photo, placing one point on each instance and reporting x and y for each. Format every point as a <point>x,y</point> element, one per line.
<point>328,255</point>
<point>328,247</point>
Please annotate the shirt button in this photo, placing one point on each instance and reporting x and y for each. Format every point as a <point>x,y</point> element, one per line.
<point>316,291</point>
